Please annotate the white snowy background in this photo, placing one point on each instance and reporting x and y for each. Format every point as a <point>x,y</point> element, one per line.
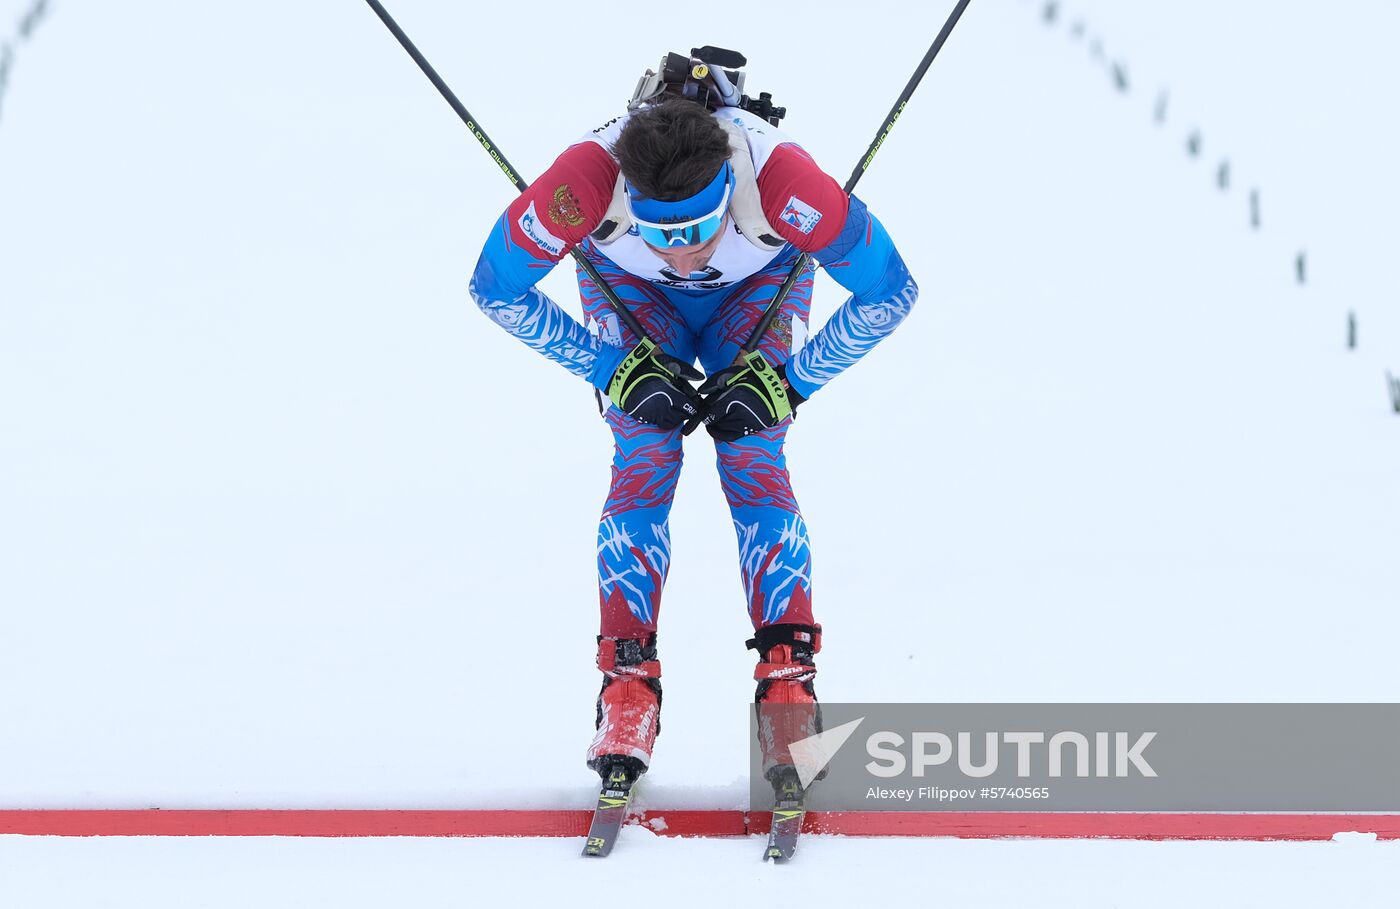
<point>286,522</point>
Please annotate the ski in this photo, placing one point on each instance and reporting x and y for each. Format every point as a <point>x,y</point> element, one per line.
<point>789,808</point>
<point>611,810</point>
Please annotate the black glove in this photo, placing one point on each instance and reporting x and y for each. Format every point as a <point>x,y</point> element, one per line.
<point>654,387</point>
<point>747,398</point>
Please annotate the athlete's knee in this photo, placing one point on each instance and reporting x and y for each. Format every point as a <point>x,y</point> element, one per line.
<point>635,442</point>
<point>766,445</point>
<point>753,470</point>
<point>646,464</point>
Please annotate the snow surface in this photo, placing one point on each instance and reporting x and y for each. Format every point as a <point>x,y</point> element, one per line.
<point>273,532</point>
<point>659,871</point>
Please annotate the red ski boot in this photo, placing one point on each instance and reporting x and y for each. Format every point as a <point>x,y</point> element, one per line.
<point>786,701</point>
<point>629,706</point>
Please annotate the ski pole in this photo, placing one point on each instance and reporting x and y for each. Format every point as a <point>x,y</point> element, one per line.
<point>608,293</point>
<point>800,266</point>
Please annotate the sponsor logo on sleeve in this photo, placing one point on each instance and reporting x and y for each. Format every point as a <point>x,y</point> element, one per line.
<point>530,223</point>
<point>800,215</point>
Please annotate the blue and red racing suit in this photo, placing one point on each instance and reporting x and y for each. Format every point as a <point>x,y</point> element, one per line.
<point>706,317</point>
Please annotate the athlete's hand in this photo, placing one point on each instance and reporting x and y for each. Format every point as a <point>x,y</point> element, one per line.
<point>654,387</point>
<point>747,398</point>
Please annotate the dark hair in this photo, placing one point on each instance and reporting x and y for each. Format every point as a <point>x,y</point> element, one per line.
<point>670,150</point>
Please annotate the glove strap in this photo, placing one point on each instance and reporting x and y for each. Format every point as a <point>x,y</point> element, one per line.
<point>774,390</point>
<point>625,376</point>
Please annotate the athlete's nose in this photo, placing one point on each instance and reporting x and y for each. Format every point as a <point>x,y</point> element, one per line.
<point>688,262</point>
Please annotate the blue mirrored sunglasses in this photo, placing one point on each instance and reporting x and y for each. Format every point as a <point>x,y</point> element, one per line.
<point>690,232</point>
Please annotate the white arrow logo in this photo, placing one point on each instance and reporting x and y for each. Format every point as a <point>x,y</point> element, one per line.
<point>811,755</point>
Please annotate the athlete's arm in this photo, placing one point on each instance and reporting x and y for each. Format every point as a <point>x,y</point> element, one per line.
<point>809,210</point>
<point>551,217</point>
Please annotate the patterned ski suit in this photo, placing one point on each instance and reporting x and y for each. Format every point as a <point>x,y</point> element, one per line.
<point>706,317</point>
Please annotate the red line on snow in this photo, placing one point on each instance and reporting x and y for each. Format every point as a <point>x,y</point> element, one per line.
<point>964,824</point>
<point>1113,825</point>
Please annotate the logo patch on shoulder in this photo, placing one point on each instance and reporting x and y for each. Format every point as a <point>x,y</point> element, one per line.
<point>530,223</point>
<point>800,215</point>
<point>565,207</point>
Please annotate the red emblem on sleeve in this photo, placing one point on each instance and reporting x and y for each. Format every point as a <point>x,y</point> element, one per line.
<point>564,208</point>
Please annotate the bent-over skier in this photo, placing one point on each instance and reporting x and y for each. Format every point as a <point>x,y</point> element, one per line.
<point>695,217</point>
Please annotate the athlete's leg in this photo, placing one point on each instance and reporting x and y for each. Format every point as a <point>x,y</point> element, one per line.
<point>775,555</point>
<point>634,550</point>
<point>634,541</point>
<point>634,545</point>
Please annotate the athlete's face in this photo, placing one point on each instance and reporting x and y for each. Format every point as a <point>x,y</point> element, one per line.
<point>687,260</point>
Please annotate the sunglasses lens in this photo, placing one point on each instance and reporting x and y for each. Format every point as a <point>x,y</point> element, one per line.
<point>691,235</point>
<point>653,218</point>
<point>707,229</point>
